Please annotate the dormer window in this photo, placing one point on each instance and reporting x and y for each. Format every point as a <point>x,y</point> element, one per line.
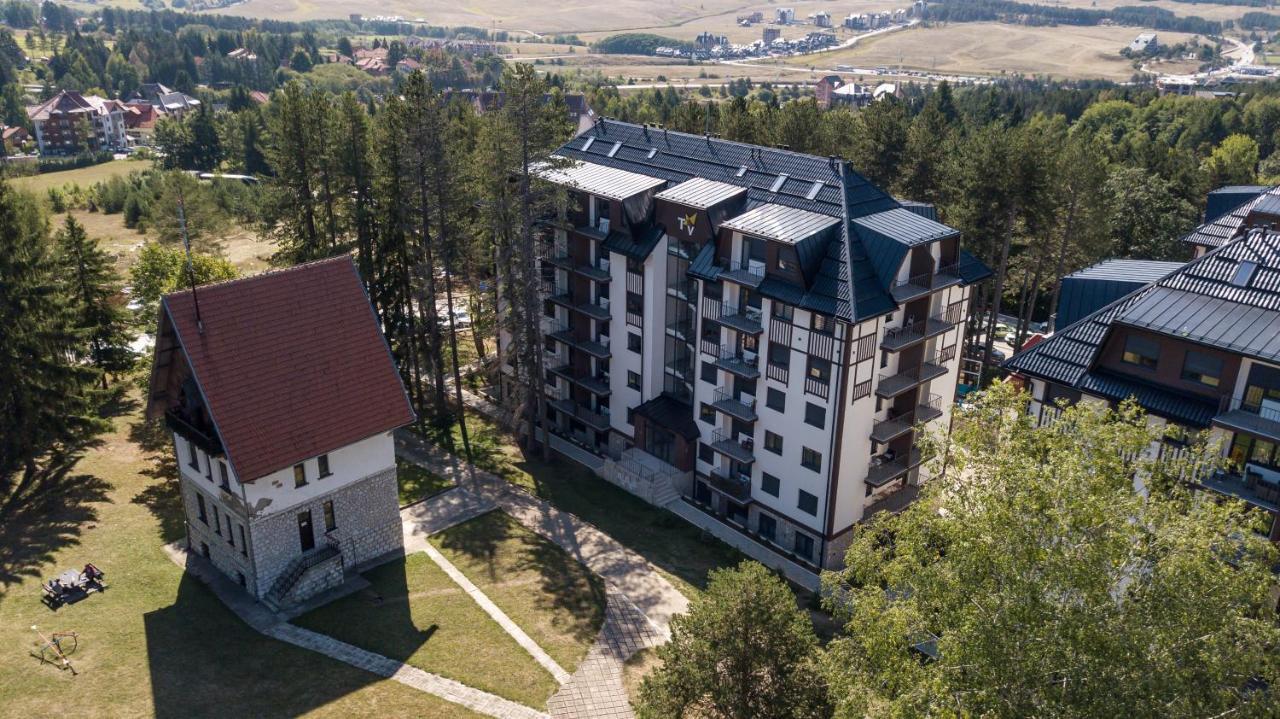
<point>1202,368</point>
<point>820,323</point>
<point>1141,352</point>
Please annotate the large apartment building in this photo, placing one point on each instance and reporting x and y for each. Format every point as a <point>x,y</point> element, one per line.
<point>69,122</point>
<point>757,332</point>
<point>1198,349</point>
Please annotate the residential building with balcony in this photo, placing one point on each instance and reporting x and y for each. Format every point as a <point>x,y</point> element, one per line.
<point>69,123</point>
<point>281,396</point>
<point>758,333</point>
<point>1198,349</point>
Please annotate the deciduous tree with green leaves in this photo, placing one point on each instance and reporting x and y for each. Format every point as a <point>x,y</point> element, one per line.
<point>743,651</point>
<point>1033,580</point>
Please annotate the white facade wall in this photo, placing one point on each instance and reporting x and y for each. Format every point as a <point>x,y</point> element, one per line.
<point>276,492</point>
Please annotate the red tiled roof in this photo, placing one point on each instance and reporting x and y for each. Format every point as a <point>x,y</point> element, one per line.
<point>291,363</point>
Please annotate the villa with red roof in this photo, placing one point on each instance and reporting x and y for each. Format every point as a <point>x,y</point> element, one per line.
<point>282,396</point>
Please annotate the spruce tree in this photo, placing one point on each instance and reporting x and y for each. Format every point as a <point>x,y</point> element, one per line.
<point>94,291</point>
<point>49,400</point>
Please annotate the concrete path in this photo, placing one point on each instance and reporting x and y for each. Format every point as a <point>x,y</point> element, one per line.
<point>259,618</point>
<point>640,602</point>
<point>499,616</point>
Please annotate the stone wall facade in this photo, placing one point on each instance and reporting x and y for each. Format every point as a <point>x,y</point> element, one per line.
<point>223,544</point>
<point>322,577</point>
<point>367,526</point>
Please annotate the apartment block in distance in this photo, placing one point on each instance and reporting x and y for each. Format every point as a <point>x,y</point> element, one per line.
<point>753,332</point>
<point>69,122</point>
<point>1198,349</point>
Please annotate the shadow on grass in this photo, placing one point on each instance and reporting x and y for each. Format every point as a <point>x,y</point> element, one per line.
<point>162,498</point>
<point>377,618</point>
<point>205,662</point>
<point>31,535</point>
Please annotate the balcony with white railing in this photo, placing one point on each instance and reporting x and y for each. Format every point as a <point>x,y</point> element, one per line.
<point>741,407</point>
<point>748,320</point>
<point>906,378</point>
<point>749,273</point>
<point>916,331</point>
<point>740,448</point>
<point>743,363</point>
<point>899,423</point>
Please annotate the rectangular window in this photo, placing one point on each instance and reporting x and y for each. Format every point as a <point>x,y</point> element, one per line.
<point>776,399</point>
<point>299,475</point>
<point>1202,368</point>
<point>808,503</point>
<point>323,461</point>
<point>769,484</point>
<point>231,537</point>
<point>705,454</point>
<point>549,308</point>
<point>706,413</point>
<point>633,341</point>
<point>773,442</point>
<point>194,456</point>
<point>819,369</point>
<point>804,545</point>
<point>815,415</point>
<point>633,379</point>
<point>217,521</point>
<point>244,546</point>
<point>782,311</point>
<point>768,527</point>
<point>780,355</point>
<point>821,323</point>
<point>330,521</point>
<point>1141,352</point>
<point>809,459</point>
<point>222,472</point>
<point>200,509</point>
<point>709,372</point>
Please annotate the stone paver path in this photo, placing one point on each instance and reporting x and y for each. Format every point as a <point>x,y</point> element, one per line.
<point>259,618</point>
<point>640,602</point>
<point>499,616</point>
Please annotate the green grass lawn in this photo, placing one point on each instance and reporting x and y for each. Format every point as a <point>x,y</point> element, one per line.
<point>413,612</point>
<point>82,176</point>
<point>155,643</point>
<point>558,602</point>
<point>681,551</point>
<point>417,483</point>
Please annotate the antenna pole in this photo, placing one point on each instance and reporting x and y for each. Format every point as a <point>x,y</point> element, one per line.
<point>191,269</point>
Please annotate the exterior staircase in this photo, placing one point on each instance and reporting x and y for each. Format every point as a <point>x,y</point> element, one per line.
<point>645,476</point>
<point>278,596</point>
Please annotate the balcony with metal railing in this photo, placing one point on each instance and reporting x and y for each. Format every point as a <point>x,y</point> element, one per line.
<point>817,386</point>
<point>1260,419</point>
<point>594,419</point>
<point>557,254</point>
<point>1252,486</point>
<point>597,383</point>
<point>558,293</point>
<point>735,483</point>
<point>740,449</point>
<point>597,271</point>
<point>597,310</point>
<point>749,273</point>
<point>926,282</point>
<point>192,431</point>
<point>681,329</point>
<point>742,363</point>
<point>680,287</point>
<point>742,407</point>
<point>898,424</point>
<point>749,320</point>
<point>914,332</point>
<point>884,469</point>
<point>560,332</point>
<point>891,385</point>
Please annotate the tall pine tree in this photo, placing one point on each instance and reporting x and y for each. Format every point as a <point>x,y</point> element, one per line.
<point>94,291</point>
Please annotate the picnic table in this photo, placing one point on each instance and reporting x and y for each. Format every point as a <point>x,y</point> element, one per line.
<point>73,585</point>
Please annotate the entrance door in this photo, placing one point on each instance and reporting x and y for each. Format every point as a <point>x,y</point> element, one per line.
<point>306,537</point>
<point>661,443</point>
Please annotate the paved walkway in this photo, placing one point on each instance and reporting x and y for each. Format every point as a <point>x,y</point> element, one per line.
<point>261,619</point>
<point>499,616</point>
<point>639,601</point>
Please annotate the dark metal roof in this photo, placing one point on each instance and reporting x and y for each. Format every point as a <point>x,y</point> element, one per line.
<point>1095,287</point>
<point>888,235</point>
<point>636,244</point>
<point>1226,227</point>
<point>670,413</point>
<point>779,222</point>
<point>772,177</point>
<point>1203,302</point>
<point>1225,199</point>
